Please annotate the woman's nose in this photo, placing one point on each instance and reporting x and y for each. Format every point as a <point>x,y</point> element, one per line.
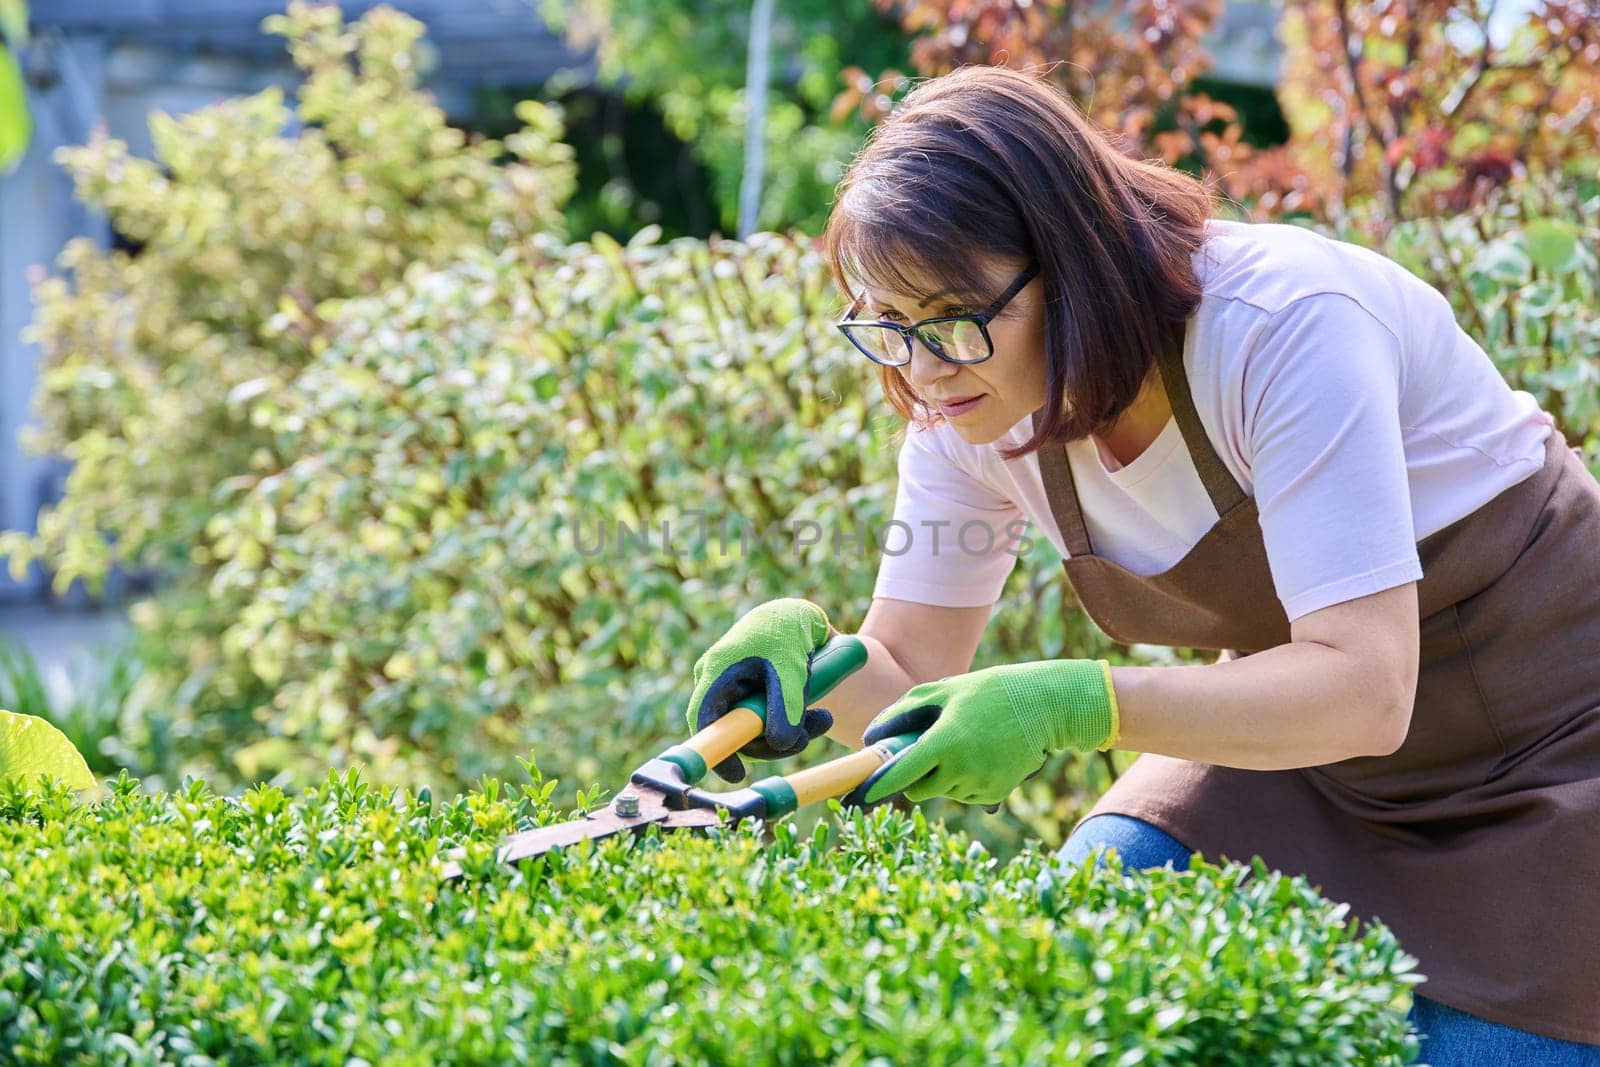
<point>926,368</point>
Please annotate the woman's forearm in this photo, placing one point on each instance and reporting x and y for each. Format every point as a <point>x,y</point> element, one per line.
<point>860,697</point>
<point>1296,705</point>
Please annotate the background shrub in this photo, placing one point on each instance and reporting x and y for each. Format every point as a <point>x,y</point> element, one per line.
<point>1524,279</point>
<point>424,587</point>
<point>150,929</point>
<point>250,224</point>
<point>354,392</point>
<point>251,219</point>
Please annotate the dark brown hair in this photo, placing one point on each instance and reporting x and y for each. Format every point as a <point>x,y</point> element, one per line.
<point>988,162</point>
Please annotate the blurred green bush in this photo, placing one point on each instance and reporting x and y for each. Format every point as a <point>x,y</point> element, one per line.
<point>189,927</point>
<point>440,574</point>
<point>442,577</point>
<point>360,399</point>
<point>372,410</point>
<point>252,220</point>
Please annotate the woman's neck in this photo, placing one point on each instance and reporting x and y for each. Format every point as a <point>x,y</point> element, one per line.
<point>1141,424</point>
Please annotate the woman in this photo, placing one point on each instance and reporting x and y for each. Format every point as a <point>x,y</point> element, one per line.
<point>1247,438</point>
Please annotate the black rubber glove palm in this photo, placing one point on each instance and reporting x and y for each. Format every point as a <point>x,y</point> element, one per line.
<point>767,652</point>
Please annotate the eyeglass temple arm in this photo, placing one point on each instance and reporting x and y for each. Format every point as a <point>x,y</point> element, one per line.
<point>855,306</point>
<point>1016,287</point>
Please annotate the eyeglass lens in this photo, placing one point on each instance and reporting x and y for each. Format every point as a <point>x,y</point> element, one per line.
<point>961,339</point>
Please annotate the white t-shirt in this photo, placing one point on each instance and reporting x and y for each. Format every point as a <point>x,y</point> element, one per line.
<point>1337,389</point>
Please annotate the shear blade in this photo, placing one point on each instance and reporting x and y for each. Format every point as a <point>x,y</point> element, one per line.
<point>596,825</point>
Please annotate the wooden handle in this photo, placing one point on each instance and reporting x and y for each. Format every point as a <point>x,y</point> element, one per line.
<point>838,776</point>
<point>727,735</point>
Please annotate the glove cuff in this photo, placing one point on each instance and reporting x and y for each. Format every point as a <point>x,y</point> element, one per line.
<point>1116,713</point>
<point>1064,704</point>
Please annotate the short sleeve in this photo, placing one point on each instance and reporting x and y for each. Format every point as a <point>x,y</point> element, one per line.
<point>952,541</point>
<point>1322,421</point>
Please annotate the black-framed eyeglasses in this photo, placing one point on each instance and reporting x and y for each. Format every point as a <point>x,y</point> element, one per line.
<point>961,339</point>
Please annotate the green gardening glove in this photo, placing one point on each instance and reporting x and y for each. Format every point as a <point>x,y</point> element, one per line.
<point>767,653</point>
<point>982,733</point>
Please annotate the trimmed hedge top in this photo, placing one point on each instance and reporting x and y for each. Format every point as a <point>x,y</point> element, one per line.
<point>193,928</point>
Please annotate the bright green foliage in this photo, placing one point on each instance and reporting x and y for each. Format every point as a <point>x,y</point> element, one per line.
<point>171,928</point>
<point>253,217</point>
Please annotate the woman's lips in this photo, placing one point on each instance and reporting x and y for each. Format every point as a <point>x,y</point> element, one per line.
<point>960,407</point>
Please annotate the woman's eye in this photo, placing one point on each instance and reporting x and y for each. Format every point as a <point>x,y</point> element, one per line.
<point>958,310</point>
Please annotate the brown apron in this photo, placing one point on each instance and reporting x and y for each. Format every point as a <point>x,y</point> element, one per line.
<point>1478,841</point>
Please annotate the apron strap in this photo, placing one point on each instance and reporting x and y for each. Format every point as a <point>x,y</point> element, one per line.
<point>1220,485</point>
<point>1062,492</point>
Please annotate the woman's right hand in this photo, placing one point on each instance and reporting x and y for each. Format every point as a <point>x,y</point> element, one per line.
<point>766,653</point>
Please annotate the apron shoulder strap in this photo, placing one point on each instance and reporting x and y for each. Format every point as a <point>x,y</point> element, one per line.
<point>1062,493</point>
<point>1221,486</point>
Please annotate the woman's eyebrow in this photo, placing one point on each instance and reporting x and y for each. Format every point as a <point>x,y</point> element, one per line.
<point>923,298</point>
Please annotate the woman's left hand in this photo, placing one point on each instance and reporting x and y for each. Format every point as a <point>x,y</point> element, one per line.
<point>982,733</point>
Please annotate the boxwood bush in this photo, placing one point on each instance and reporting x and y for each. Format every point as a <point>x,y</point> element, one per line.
<point>193,928</point>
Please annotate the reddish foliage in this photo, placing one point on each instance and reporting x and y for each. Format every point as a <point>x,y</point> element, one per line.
<point>1413,102</point>
<point>1383,100</point>
<point>1122,76</point>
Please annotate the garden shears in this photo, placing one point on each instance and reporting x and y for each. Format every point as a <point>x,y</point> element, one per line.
<point>663,791</point>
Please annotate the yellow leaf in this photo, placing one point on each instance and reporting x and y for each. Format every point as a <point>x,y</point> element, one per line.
<point>30,746</point>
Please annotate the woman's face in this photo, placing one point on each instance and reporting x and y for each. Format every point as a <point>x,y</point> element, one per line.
<point>1010,384</point>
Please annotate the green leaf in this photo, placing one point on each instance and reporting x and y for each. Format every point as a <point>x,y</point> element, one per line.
<point>1502,261</point>
<point>30,746</point>
<point>16,126</point>
<point>1552,245</point>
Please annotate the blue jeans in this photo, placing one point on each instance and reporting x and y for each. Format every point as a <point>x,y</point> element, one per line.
<point>1450,1038</point>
